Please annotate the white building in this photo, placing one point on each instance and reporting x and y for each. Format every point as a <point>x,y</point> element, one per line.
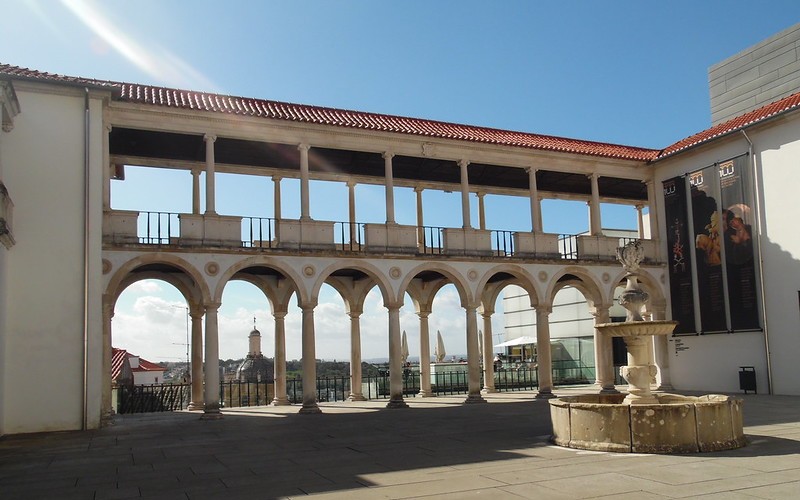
<point>66,250</point>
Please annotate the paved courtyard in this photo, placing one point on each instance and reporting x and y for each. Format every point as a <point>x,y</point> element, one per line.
<point>438,448</point>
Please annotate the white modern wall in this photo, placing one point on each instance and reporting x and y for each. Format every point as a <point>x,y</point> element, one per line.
<point>44,283</point>
<point>711,362</point>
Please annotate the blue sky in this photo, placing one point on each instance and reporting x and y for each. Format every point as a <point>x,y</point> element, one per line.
<point>629,72</point>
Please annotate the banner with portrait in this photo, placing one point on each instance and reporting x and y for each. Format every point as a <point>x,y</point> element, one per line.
<point>681,285</point>
<point>708,249</point>
<point>737,220</point>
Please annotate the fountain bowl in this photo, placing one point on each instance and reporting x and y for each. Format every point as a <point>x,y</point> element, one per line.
<point>673,424</point>
<point>637,328</point>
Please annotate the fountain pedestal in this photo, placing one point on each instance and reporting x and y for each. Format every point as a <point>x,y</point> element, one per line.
<point>641,421</point>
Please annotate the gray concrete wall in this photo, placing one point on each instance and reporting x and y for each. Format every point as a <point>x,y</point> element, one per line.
<point>759,75</point>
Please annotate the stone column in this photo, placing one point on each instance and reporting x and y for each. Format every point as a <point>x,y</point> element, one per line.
<point>387,162</point>
<point>473,358</point>
<point>465,215</point>
<point>420,220</point>
<point>351,191</point>
<point>309,362</point>
<point>211,208</point>
<point>661,348</point>
<point>305,211</point>
<point>211,400</point>
<point>544,361</point>
<point>603,352</point>
<point>107,410</point>
<point>653,216</point>
<point>280,398</point>
<point>481,211</point>
<point>640,220</point>
<point>536,209</point>
<point>195,191</point>
<point>395,370</point>
<point>356,393</point>
<point>424,355</point>
<point>197,359</point>
<point>107,166</point>
<point>276,185</point>
<point>596,225</point>
<point>488,359</point>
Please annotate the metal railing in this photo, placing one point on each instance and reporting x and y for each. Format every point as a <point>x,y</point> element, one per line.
<point>258,232</point>
<point>432,239</point>
<point>568,246</point>
<point>503,243</point>
<point>158,228</point>
<point>152,398</point>
<point>348,236</point>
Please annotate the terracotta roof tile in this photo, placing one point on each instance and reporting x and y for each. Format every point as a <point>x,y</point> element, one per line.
<point>175,98</point>
<point>734,124</point>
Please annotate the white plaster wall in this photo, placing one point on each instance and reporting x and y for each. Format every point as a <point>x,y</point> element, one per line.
<point>44,169</point>
<point>711,362</point>
<point>3,328</point>
<point>148,378</point>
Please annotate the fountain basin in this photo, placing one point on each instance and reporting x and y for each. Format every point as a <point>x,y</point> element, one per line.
<point>628,329</point>
<point>675,424</point>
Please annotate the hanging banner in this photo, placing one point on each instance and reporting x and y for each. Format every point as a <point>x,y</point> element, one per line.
<point>681,288</point>
<point>735,189</point>
<point>708,251</point>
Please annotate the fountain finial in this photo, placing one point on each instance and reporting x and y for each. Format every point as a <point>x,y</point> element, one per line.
<point>633,298</point>
<point>631,255</point>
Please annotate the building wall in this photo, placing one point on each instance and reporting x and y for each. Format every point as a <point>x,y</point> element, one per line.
<point>761,74</point>
<point>44,171</point>
<point>711,362</point>
<point>148,378</point>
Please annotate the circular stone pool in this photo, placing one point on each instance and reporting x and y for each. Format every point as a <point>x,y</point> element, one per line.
<point>676,424</point>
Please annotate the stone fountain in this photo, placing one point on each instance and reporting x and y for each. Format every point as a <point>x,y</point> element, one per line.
<point>643,421</point>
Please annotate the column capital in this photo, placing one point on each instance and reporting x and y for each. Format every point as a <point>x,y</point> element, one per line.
<point>418,189</point>
<point>593,175</point>
<point>387,155</point>
<point>108,128</point>
<point>308,305</point>
<point>196,172</point>
<point>480,194</point>
<point>393,306</point>
<point>639,206</point>
<point>423,314</point>
<point>531,170</point>
<point>210,137</point>
<point>544,308</point>
<point>303,147</point>
<point>351,183</point>
<point>599,309</point>
<point>355,313</point>
<point>463,163</point>
<point>212,306</point>
<point>277,178</point>
<point>279,314</point>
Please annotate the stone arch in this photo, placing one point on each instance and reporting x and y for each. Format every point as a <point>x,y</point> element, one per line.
<point>521,278</point>
<point>258,261</point>
<point>446,270</point>
<point>125,272</point>
<point>365,267</point>
<point>585,282</point>
<point>187,289</point>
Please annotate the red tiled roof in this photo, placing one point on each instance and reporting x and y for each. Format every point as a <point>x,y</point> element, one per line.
<point>118,357</point>
<point>203,101</point>
<point>734,124</point>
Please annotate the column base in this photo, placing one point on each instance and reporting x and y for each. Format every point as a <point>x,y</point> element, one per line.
<point>356,397</point>
<point>107,418</point>
<point>281,401</point>
<point>309,410</point>
<point>488,390</point>
<point>195,406</point>
<point>474,398</point>
<point>545,394</point>
<point>425,394</point>
<point>211,414</point>
<point>396,403</point>
<point>607,390</point>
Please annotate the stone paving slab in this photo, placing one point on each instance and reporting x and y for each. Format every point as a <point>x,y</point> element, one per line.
<point>437,448</point>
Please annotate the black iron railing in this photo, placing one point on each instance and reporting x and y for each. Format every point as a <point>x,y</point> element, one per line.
<point>432,239</point>
<point>503,243</point>
<point>152,398</point>
<point>158,228</point>
<point>258,232</point>
<point>348,236</point>
<point>568,246</point>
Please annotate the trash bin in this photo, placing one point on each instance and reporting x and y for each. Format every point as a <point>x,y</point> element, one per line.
<point>747,379</point>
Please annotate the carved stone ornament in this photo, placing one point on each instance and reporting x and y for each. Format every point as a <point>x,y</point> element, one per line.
<point>309,271</point>
<point>428,149</point>
<point>606,277</point>
<point>212,268</point>
<point>472,275</point>
<point>395,272</point>
<point>107,266</point>
<point>542,276</point>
